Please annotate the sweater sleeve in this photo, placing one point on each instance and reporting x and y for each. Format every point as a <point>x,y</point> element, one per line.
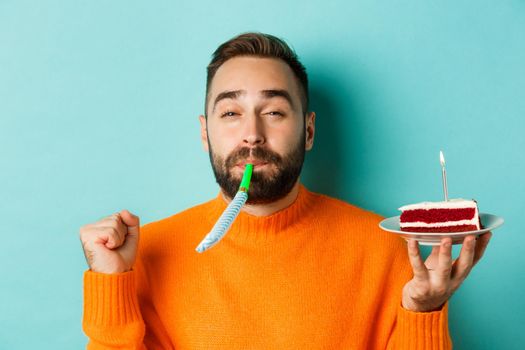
<point>119,313</point>
<point>421,330</point>
<point>413,330</point>
<point>112,317</point>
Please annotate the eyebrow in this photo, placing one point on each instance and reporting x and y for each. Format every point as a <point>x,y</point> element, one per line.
<point>278,93</point>
<point>234,94</point>
<point>267,94</point>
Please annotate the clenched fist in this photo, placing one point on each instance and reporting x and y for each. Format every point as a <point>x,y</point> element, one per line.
<point>110,245</point>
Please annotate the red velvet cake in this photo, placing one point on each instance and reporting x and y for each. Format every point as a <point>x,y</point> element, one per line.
<point>455,215</point>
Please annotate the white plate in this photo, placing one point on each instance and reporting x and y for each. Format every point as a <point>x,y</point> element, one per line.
<point>488,221</point>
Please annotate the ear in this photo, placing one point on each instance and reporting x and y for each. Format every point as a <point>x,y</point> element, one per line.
<point>310,130</point>
<point>204,132</point>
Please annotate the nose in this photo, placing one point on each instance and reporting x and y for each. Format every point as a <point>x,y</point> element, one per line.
<point>253,131</point>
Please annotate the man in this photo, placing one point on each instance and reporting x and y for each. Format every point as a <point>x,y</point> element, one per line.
<point>297,270</point>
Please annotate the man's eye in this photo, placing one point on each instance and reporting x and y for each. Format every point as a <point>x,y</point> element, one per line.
<point>228,114</point>
<point>275,113</point>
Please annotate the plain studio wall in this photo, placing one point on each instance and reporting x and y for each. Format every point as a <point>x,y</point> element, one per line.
<point>98,112</point>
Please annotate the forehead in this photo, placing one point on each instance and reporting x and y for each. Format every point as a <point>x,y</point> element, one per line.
<point>253,74</point>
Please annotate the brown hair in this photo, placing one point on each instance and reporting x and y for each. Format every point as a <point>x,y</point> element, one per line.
<point>261,45</point>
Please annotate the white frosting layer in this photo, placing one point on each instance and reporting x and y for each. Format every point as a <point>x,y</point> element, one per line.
<point>450,204</point>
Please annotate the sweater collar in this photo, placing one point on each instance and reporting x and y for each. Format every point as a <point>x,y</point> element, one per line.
<point>246,224</point>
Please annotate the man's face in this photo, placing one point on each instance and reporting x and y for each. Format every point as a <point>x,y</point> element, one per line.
<point>255,116</point>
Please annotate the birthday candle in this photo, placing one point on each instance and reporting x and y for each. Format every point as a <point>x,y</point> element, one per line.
<point>230,213</point>
<point>443,175</point>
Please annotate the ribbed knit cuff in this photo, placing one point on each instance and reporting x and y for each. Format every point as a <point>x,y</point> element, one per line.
<point>423,330</point>
<point>110,299</point>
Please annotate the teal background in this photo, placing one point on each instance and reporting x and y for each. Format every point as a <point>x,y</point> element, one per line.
<point>98,112</point>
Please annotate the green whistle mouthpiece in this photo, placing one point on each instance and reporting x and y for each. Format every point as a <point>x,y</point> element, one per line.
<point>246,177</point>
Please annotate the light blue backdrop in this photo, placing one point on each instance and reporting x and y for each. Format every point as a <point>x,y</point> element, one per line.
<point>98,112</point>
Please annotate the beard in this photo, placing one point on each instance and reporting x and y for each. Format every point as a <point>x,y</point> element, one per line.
<point>265,186</point>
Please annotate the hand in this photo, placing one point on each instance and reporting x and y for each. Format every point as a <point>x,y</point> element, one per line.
<point>110,245</point>
<point>439,277</point>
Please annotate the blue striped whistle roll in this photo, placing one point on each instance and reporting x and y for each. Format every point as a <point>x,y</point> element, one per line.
<point>225,221</point>
<point>230,213</point>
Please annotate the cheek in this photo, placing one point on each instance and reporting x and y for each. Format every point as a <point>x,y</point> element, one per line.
<point>222,141</point>
<point>284,140</point>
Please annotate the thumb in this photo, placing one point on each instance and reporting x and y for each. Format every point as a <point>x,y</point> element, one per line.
<point>131,221</point>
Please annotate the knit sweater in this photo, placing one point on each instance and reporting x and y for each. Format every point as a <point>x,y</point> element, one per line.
<point>318,274</point>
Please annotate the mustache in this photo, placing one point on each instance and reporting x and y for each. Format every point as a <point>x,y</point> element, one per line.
<point>258,153</point>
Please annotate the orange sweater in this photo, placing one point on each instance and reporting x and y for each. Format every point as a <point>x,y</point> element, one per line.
<point>319,274</point>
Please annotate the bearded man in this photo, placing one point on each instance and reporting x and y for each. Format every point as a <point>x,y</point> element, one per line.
<point>296,270</point>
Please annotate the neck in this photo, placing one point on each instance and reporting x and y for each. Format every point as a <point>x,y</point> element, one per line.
<point>269,208</point>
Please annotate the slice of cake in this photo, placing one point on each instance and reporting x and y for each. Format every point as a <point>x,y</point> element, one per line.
<point>455,215</point>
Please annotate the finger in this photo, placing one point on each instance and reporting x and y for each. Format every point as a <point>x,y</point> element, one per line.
<point>118,229</point>
<point>432,260</point>
<point>481,245</point>
<point>464,263</point>
<point>129,248</point>
<point>114,216</point>
<point>106,236</point>
<point>444,267</point>
<point>115,221</point>
<point>114,238</point>
<point>131,221</point>
<point>419,268</point>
